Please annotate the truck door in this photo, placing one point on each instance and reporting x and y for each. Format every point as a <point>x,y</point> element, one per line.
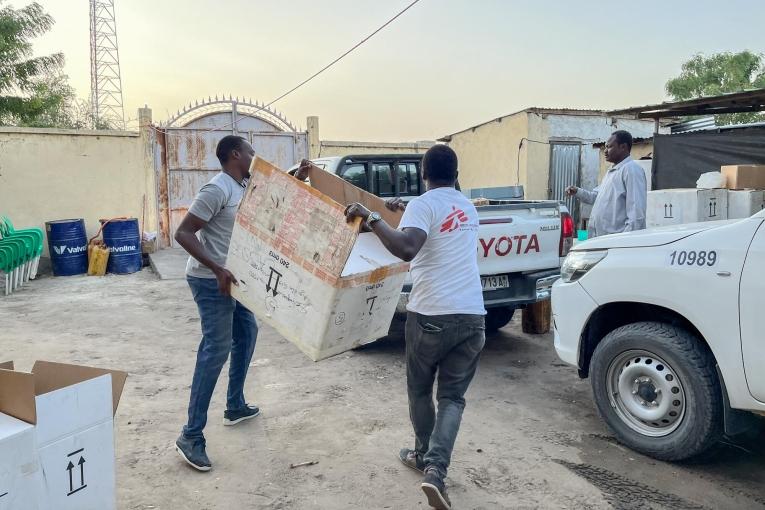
<point>751,311</point>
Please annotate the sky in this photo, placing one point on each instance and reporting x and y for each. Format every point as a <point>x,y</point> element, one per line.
<point>443,66</point>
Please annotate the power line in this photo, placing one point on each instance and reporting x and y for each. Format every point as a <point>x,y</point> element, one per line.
<point>320,71</point>
<point>518,166</point>
<point>338,59</point>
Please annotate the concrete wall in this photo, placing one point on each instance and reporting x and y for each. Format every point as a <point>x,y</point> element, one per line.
<point>51,174</point>
<point>329,148</point>
<point>538,152</point>
<point>585,129</point>
<point>488,154</point>
<point>318,148</point>
<point>314,143</point>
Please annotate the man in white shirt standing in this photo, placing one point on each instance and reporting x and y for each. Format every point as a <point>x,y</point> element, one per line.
<point>445,330</point>
<point>620,200</point>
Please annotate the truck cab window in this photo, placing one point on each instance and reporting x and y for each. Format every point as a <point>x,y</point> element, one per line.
<point>409,181</point>
<point>356,174</point>
<point>384,179</point>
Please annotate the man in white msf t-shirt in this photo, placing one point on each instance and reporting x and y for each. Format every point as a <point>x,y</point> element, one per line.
<point>445,324</point>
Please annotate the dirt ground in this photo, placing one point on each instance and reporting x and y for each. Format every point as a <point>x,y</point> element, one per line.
<point>530,436</point>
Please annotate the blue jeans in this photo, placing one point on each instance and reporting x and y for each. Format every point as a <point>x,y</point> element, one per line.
<point>450,346</point>
<point>227,327</point>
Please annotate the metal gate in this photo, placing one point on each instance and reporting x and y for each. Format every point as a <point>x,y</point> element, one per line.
<point>564,172</point>
<point>185,153</point>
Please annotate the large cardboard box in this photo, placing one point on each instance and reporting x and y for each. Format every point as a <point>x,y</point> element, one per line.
<point>745,203</point>
<point>744,176</point>
<point>71,408</point>
<point>18,465</point>
<point>678,206</point>
<point>307,272</point>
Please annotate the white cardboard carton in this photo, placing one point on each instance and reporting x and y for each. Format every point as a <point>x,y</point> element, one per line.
<point>678,206</point>
<point>745,203</point>
<point>306,271</point>
<point>72,409</point>
<point>18,465</point>
<point>646,165</point>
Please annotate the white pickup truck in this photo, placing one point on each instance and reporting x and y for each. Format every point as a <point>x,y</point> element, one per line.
<point>666,323</point>
<point>521,241</point>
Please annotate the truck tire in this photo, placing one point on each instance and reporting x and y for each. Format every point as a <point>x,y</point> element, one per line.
<point>657,389</point>
<point>498,318</point>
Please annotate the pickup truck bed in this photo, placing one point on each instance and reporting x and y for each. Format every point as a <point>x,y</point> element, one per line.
<point>518,255</point>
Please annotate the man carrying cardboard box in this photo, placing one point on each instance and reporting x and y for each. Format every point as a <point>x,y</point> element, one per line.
<point>445,330</point>
<point>619,203</point>
<point>227,326</point>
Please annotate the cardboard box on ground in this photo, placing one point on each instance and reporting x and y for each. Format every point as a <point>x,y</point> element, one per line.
<point>307,272</point>
<point>678,206</point>
<point>56,437</point>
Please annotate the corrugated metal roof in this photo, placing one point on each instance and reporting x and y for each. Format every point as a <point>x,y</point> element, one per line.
<point>709,124</point>
<point>635,141</point>
<point>693,125</point>
<point>533,109</point>
<point>734,102</point>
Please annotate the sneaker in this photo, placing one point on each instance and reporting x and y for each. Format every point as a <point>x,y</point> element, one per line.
<point>193,452</point>
<point>412,459</point>
<point>434,488</point>
<point>246,413</point>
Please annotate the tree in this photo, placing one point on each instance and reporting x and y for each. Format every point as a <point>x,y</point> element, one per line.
<point>33,92</point>
<point>719,74</point>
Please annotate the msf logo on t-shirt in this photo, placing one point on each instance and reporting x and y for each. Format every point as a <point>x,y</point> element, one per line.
<point>454,220</point>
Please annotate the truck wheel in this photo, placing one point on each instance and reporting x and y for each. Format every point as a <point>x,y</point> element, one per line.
<point>656,387</point>
<point>498,318</point>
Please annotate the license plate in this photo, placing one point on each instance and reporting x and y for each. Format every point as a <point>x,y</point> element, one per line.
<point>495,282</point>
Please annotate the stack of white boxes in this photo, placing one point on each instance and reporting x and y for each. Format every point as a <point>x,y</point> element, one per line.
<point>56,437</point>
<point>743,197</point>
<point>678,206</point>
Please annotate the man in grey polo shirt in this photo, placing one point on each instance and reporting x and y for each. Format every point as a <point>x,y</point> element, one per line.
<point>227,326</point>
<point>620,200</point>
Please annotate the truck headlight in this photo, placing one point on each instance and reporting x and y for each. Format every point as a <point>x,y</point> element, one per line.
<point>577,263</point>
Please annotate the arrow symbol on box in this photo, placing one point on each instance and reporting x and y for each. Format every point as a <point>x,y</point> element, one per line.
<point>69,468</point>
<point>81,463</point>
<point>273,289</point>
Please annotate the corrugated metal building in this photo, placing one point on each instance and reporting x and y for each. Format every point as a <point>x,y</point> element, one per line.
<point>543,149</point>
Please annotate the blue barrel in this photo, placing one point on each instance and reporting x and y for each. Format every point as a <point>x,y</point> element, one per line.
<point>123,238</point>
<point>68,246</point>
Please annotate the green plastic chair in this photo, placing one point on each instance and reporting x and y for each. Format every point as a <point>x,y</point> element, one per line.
<point>24,256</point>
<point>37,237</point>
<point>30,251</point>
<point>16,254</point>
<point>7,266</point>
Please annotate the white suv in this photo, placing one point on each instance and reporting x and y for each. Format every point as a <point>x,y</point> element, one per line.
<point>665,323</point>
